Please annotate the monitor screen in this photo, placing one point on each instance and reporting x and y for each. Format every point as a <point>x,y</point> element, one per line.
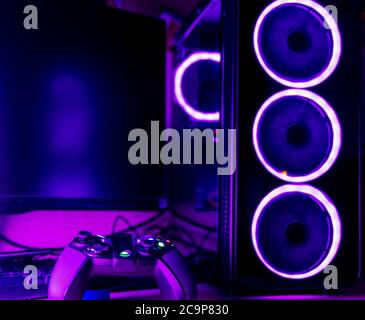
<point>70,93</point>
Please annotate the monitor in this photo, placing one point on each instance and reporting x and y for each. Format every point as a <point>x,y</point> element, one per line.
<point>70,93</point>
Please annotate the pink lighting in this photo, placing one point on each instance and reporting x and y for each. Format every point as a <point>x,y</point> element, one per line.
<point>184,66</point>
<point>336,40</point>
<point>335,126</point>
<point>333,215</point>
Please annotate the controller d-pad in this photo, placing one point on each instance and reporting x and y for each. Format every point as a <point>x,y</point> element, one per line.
<point>98,249</point>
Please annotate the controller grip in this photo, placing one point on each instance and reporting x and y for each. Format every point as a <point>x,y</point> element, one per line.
<point>174,278</point>
<point>70,276</point>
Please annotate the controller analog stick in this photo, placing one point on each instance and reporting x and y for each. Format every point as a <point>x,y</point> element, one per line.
<point>83,236</point>
<point>148,241</point>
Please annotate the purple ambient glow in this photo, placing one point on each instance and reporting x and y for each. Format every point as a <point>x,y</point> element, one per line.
<point>336,129</point>
<point>336,38</point>
<point>185,65</point>
<point>335,221</point>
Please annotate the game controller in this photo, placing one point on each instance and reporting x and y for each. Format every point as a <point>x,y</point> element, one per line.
<point>120,255</point>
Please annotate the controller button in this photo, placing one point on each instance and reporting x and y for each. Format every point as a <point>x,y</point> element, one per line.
<point>125,254</point>
<point>98,249</point>
<point>161,244</point>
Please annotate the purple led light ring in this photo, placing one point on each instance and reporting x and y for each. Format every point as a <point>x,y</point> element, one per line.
<point>336,38</point>
<point>185,65</point>
<point>335,221</point>
<point>336,130</point>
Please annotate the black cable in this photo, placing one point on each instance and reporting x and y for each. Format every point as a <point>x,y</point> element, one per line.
<point>162,212</point>
<point>151,229</point>
<point>180,216</point>
<point>193,244</point>
<point>165,231</point>
<point>185,232</point>
<point>173,211</point>
<point>130,228</point>
<point>196,247</point>
<point>25,253</point>
<point>205,239</point>
<point>116,220</point>
<point>14,244</point>
<point>144,223</point>
<point>21,246</point>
